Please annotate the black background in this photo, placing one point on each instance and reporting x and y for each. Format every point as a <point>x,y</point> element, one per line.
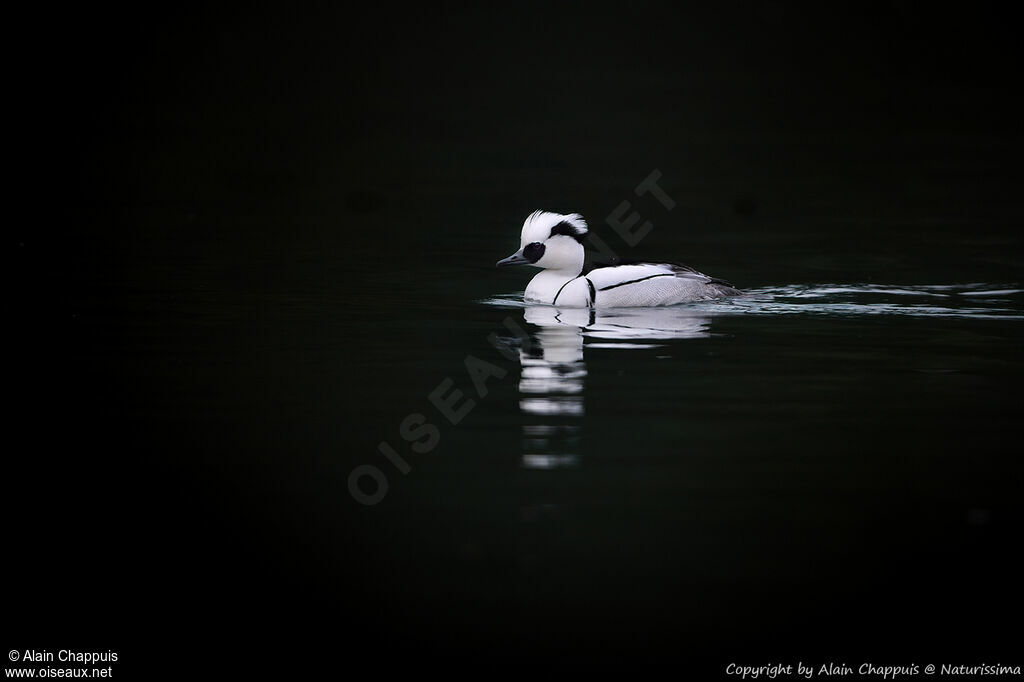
<point>243,133</point>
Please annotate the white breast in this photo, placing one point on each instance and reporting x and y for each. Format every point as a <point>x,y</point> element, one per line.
<point>572,291</point>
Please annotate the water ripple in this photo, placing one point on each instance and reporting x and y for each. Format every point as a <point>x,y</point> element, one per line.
<point>1003,301</point>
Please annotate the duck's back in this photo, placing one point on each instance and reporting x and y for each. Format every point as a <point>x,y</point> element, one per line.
<point>648,284</point>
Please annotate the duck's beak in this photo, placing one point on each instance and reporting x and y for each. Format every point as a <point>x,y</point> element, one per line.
<point>516,258</point>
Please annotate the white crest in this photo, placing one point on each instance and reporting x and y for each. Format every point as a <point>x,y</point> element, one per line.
<point>539,224</point>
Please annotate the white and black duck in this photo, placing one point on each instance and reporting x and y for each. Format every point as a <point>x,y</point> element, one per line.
<point>554,243</point>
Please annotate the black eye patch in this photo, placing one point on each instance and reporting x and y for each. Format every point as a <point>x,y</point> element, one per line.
<point>533,252</point>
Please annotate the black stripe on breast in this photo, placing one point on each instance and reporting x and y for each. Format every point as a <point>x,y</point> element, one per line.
<point>593,294</point>
<point>632,281</point>
<point>555,300</point>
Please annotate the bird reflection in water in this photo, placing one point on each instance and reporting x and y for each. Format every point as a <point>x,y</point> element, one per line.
<point>553,371</point>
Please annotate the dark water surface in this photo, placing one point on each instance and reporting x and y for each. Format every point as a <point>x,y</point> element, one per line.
<point>281,242</point>
<point>806,466</point>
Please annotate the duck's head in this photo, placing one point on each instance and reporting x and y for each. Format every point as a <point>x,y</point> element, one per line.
<point>552,241</point>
